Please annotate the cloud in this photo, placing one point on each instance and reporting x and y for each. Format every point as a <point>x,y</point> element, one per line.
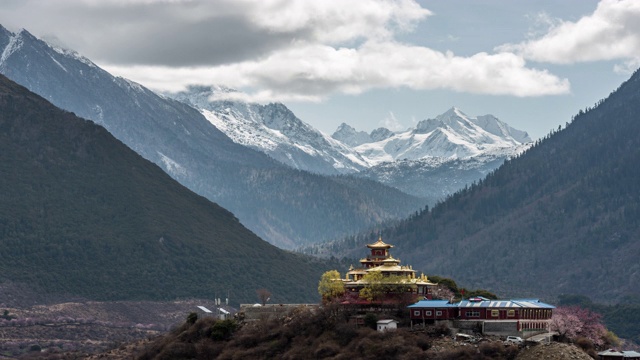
<point>391,122</point>
<point>627,67</point>
<point>334,21</point>
<point>206,32</point>
<point>611,32</point>
<point>274,50</point>
<point>311,72</point>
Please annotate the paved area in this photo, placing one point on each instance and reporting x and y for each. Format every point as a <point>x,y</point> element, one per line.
<point>542,338</point>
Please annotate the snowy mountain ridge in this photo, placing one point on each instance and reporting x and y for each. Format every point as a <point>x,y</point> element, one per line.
<point>275,130</point>
<point>431,160</point>
<point>452,135</point>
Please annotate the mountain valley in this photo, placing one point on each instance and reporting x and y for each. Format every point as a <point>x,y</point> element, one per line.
<point>561,218</point>
<point>284,206</point>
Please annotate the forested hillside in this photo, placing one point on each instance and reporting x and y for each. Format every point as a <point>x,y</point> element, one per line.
<point>564,217</point>
<point>284,206</point>
<point>81,214</point>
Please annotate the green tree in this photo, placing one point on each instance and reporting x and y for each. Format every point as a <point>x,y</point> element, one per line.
<point>374,286</point>
<point>394,284</point>
<point>330,285</point>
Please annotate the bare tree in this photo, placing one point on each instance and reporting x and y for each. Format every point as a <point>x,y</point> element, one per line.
<point>264,295</point>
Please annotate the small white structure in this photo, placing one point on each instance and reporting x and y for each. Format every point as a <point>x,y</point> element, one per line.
<point>206,311</point>
<point>387,325</point>
<point>223,314</point>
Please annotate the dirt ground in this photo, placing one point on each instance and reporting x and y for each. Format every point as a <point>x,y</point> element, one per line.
<point>553,351</point>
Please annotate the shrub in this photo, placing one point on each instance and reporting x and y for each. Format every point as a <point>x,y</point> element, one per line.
<point>222,329</point>
<point>371,320</point>
<point>208,349</point>
<point>345,333</point>
<point>492,349</point>
<point>464,353</point>
<point>192,318</point>
<point>423,343</point>
<point>441,329</point>
<point>511,351</point>
<point>327,350</point>
<point>584,343</point>
<point>177,350</point>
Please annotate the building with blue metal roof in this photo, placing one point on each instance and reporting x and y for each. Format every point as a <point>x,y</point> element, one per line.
<point>500,317</point>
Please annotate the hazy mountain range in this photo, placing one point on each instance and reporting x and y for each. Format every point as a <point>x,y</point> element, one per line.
<point>285,206</point>
<point>445,153</point>
<point>563,216</point>
<point>84,215</point>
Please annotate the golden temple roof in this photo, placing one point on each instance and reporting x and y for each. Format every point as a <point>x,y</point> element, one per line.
<point>391,259</point>
<point>379,244</point>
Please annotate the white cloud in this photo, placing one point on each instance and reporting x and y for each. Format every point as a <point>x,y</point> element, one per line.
<point>391,122</point>
<point>627,67</point>
<point>611,32</point>
<point>334,21</point>
<point>275,50</point>
<point>311,72</point>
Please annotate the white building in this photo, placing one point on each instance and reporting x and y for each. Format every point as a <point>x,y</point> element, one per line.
<point>387,325</point>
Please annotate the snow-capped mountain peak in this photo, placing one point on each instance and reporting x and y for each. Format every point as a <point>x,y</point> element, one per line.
<point>275,130</point>
<point>349,136</point>
<point>451,135</point>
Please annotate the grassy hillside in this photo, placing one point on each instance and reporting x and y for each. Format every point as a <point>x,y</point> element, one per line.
<point>82,214</point>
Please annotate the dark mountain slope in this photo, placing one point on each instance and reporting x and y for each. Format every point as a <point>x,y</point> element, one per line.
<point>564,217</point>
<point>284,206</point>
<point>82,214</point>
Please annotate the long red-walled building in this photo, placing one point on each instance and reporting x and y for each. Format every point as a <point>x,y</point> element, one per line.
<point>525,314</point>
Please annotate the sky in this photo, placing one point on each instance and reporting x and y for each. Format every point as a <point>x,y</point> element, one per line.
<point>369,63</point>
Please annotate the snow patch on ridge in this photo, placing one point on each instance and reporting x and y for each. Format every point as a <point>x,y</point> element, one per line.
<point>15,43</point>
<point>172,166</point>
<point>71,54</point>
